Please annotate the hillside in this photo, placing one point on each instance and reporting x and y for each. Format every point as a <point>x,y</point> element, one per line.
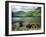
<point>36,12</point>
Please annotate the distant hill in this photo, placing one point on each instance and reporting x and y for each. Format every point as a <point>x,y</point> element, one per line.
<point>36,12</point>
<point>17,13</point>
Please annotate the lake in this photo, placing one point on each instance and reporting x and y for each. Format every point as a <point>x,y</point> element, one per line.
<point>31,19</point>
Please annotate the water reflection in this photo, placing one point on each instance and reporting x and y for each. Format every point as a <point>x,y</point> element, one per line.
<point>35,19</point>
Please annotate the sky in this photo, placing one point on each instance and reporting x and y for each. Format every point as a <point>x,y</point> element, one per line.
<point>16,8</point>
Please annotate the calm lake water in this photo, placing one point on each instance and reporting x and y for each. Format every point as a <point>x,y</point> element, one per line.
<point>34,19</point>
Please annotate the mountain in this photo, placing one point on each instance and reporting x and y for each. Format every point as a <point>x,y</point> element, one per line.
<point>36,12</point>
<point>17,13</point>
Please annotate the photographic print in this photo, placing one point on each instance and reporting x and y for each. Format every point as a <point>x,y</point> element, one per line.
<point>25,18</point>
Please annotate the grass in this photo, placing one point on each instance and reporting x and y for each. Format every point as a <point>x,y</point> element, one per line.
<point>24,29</point>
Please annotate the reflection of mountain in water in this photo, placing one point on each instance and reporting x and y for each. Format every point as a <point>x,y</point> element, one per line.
<point>31,19</point>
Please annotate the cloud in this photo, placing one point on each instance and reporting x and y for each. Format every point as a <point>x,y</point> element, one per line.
<point>23,8</point>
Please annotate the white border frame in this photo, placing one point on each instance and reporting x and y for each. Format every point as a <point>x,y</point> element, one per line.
<point>24,32</point>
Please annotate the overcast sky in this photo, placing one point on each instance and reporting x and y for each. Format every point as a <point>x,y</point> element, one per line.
<point>23,8</point>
